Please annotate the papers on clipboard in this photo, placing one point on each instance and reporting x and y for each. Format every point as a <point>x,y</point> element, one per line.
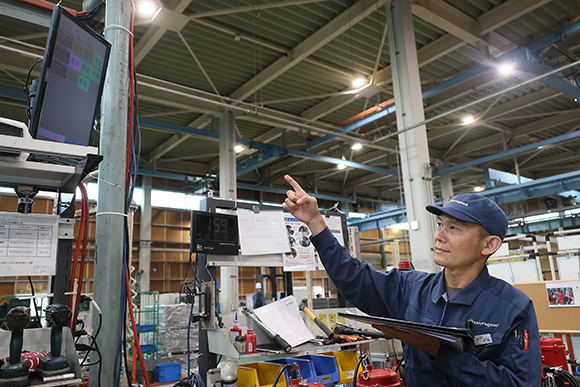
<point>451,336</point>
<point>283,317</point>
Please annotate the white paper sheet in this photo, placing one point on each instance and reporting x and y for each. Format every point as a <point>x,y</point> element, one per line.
<point>262,233</point>
<point>334,224</point>
<point>28,244</point>
<point>283,317</point>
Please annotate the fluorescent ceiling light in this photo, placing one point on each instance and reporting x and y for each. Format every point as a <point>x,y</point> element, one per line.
<point>356,146</point>
<point>468,120</point>
<point>148,9</point>
<point>505,68</point>
<point>358,82</point>
<point>239,148</point>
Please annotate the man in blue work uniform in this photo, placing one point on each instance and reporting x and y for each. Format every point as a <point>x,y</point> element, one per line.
<point>258,298</point>
<point>505,350</point>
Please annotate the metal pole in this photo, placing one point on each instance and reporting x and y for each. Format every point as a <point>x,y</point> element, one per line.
<point>414,149</point>
<point>145,235</point>
<point>228,275</point>
<point>111,202</point>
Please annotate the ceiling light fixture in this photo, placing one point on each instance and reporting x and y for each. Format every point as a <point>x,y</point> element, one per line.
<point>358,82</point>
<point>239,148</point>
<point>479,188</point>
<point>148,9</point>
<point>505,69</point>
<point>356,146</point>
<point>468,120</point>
<point>341,166</point>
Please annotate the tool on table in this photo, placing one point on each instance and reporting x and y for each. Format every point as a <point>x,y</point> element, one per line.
<point>15,372</point>
<point>367,333</point>
<point>273,335</point>
<point>58,316</point>
<point>330,336</point>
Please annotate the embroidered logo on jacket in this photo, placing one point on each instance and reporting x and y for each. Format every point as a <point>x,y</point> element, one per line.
<point>483,323</point>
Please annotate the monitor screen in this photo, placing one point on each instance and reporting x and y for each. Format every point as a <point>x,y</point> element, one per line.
<point>71,82</point>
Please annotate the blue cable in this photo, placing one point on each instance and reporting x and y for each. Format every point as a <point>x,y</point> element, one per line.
<point>91,12</point>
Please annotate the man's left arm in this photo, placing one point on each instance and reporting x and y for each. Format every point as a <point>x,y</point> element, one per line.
<point>518,362</point>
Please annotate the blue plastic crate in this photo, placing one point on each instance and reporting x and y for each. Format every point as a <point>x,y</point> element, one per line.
<point>145,327</point>
<point>167,372</point>
<point>307,370</point>
<point>326,368</point>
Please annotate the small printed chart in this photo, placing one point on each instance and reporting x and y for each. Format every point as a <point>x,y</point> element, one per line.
<point>28,244</point>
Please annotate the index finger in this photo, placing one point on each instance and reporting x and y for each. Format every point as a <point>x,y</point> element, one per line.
<point>294,184</point>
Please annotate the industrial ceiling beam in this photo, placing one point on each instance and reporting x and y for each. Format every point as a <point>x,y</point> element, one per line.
<point>154,33</point>
<point>512,152</point>
<point>448,18</point>
<point>507,194</point>
<point>357,12</point>
<point>251,8</point>
<point>170,127</point>
<point>487,22</point>
<point>532,127</point>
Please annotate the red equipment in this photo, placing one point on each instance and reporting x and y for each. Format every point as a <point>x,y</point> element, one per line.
<point>379,378</point>
<point>554,352</point>
<point>376,378</point>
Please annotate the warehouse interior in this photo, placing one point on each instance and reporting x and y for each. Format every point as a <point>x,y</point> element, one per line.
<point>376,108</point>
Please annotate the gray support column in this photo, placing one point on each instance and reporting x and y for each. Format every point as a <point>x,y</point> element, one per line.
<point>413,144</point>
<point>228,275</point>
<point>446,184</point>
<point>111,201</point>
<point>145,235</point>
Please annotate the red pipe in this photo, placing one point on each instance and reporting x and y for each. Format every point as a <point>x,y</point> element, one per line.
<point>47,5</point>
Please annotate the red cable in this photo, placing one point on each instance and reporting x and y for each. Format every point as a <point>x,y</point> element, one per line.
<point>85,206</point>
<point>132,315</point>
<point>76,257</point>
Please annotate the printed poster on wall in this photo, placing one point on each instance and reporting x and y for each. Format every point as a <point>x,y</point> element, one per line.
<point>301,257</point>
<point>563,294</point>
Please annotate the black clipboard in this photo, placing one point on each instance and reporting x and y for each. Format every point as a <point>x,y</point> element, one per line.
<point>452,336</point>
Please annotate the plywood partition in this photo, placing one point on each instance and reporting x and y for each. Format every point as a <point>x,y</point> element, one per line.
<point>562,319</point>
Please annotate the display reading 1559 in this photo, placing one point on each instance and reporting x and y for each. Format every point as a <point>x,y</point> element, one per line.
<point>214,233</point>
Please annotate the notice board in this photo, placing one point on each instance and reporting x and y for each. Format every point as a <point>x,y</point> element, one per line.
<point>565,320</point>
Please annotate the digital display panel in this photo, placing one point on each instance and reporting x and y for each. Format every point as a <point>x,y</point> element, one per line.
<point>71,82</point>
<point>214,233</point>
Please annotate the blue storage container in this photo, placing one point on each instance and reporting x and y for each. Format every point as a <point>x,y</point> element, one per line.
<point>325,367</point>
<point>167,372</point>
<point>307,370</point>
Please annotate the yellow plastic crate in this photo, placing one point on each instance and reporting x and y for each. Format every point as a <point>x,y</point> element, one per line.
<point>259,374</point>
<point>346,362</point>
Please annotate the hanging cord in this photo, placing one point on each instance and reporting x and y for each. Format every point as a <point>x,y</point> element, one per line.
<point>34,301</point>
<point>27,90</point>
<point>76,257</point>
<point>85,210</point>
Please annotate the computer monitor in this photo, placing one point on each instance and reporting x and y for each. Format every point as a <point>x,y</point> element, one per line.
<point>71,82</point>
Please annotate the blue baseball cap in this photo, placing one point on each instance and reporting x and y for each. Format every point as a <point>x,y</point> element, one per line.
<point>474,208</point>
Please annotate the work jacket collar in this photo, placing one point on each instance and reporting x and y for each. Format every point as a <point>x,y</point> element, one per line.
<point>466,295</point>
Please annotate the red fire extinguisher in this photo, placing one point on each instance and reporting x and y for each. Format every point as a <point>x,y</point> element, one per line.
<point>376,378</point>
